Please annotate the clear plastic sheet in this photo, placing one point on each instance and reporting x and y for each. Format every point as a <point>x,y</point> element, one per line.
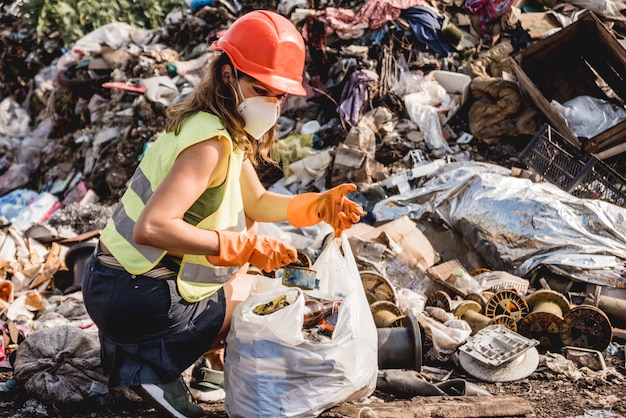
<point>589,116</point>
<point>518,225</point>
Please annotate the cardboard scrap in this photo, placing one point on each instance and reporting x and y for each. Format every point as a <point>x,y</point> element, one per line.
<point>537,23</point>
<point>50,266</point>
<point>410,243</point>
<point>356,166</point>
<point>443,274</point>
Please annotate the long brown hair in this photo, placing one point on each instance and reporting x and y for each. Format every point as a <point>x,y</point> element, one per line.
<point>214,96</point>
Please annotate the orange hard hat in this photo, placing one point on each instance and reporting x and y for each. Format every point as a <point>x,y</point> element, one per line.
<point>268,47</point>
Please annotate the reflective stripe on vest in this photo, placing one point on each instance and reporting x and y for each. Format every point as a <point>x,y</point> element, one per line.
<point>124,226</point>
<point>197,277</point>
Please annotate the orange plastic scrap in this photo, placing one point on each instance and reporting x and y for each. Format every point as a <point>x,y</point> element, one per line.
<point>324,327</point>
<point>6,291</point>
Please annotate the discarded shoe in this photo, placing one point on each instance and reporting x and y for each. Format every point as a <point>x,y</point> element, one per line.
<point>173,397</point>
<point>206,385</point>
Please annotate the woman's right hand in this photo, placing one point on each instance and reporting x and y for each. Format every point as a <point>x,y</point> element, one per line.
<point>264,252</point>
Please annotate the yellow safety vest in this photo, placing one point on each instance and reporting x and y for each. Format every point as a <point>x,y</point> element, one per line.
<point>197,278</point>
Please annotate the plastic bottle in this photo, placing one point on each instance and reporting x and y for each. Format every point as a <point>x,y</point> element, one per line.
<point>464,282</point>
<point>315,311</point>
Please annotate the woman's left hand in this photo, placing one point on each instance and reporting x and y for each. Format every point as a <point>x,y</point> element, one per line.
<point>331,206</point>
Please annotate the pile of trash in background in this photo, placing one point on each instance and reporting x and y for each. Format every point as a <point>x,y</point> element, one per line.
<point>400,94</point>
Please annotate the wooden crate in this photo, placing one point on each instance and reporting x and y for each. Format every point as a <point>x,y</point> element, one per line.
<point>583,58</point>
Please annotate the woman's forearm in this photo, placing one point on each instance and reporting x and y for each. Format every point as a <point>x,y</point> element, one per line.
<point>270,207</point>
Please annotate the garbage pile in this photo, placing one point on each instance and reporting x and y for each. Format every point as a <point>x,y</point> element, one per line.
<point>403,99</point>
<point>383,79</point>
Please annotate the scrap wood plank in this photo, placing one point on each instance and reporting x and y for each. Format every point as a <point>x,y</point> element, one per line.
<point>442,407</point>
<point>618,333</point>
<point>81,237</point>
<point>611,152</point>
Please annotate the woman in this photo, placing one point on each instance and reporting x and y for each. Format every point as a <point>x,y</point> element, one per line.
<point>171,263</point>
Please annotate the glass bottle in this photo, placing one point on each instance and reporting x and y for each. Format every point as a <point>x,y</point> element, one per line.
<point>315,311</point>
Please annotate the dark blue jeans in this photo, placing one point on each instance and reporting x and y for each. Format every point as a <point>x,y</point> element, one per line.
<point>148,332</point>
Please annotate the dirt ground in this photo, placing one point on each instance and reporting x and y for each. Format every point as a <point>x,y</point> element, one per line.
<point>551,396</point>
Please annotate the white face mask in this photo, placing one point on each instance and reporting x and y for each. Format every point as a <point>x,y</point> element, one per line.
<point>259,112</point>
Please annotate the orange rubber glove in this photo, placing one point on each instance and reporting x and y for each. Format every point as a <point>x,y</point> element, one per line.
<point>331,206</point>
<point>237,249</point>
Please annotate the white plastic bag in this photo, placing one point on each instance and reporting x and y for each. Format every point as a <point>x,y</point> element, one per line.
<point>272,370</point>
<point>427,119</point>
<point>588,116</point>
